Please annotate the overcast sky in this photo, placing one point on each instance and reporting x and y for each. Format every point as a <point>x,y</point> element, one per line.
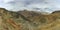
<point>39,5</point>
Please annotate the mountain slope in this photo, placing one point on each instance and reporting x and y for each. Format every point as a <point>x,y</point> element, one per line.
<point>28,20</point>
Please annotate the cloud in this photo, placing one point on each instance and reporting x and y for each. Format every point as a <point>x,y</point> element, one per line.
<point>34,5</point>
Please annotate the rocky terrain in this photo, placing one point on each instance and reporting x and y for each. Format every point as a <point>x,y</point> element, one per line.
<point>28,20</point>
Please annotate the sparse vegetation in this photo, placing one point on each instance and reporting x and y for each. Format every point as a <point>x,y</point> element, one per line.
<point>28,20</point>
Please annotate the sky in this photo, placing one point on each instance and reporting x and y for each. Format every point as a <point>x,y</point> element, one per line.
<point>31,5</point>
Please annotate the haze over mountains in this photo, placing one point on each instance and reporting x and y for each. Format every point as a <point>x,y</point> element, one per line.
<point>37,5</point>
<point>29,14</point>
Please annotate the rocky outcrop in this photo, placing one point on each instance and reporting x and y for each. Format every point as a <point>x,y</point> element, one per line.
<point>28,20</point>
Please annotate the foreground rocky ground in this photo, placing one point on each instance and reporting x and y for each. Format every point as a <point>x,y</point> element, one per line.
<point>28,20</point>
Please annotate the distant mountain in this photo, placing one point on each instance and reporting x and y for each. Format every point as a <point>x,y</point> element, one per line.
<point>28,20</point>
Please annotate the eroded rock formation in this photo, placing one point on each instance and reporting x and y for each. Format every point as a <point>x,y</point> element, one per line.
<point>28,20</point>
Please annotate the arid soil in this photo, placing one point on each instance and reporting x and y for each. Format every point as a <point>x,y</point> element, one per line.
<point>28,20</point>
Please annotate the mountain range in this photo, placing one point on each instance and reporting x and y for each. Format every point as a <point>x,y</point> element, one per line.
<point>29,20</point>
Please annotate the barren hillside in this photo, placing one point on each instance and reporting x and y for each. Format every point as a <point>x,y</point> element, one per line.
<point>28,20</point>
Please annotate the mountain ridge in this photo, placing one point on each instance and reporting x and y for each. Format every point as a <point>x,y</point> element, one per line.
<point>28,20</point>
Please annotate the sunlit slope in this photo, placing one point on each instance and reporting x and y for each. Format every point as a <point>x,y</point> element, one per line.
<point>28,20</point>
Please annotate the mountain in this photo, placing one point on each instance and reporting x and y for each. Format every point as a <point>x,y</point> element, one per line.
<point>28,20</point>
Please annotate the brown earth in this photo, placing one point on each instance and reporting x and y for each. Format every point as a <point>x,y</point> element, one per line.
<point>28,20</point>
